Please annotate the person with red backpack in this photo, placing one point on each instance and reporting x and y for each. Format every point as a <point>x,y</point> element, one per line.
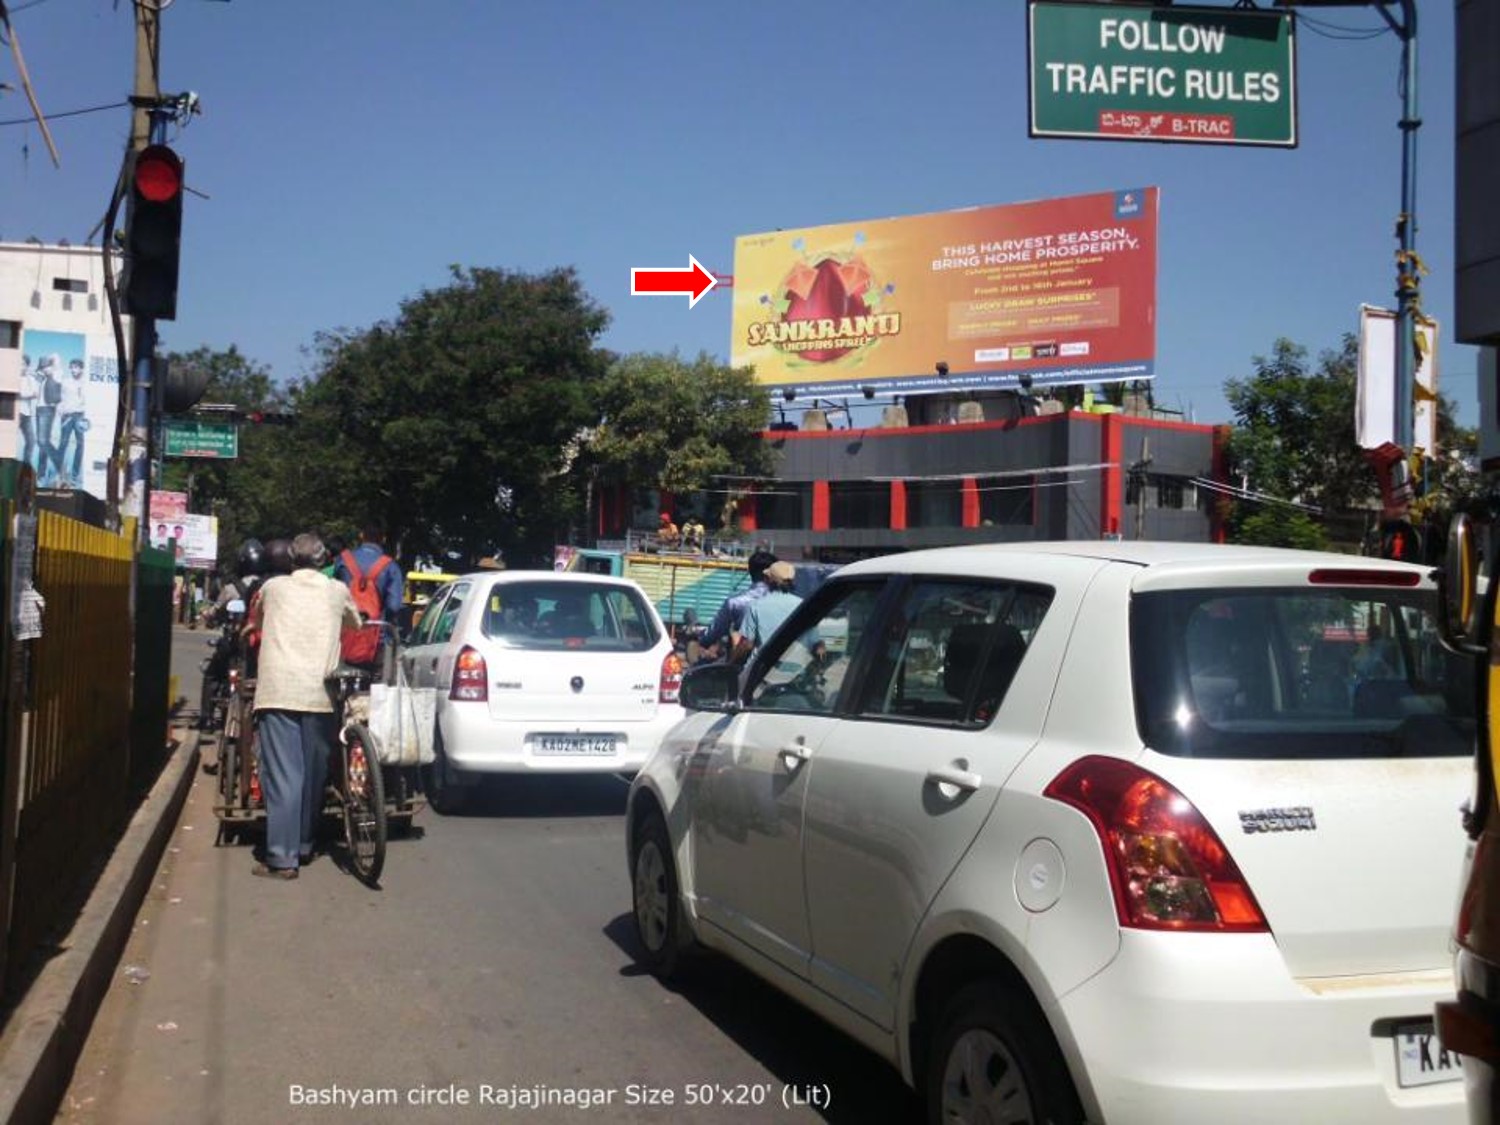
<point>378,588</point>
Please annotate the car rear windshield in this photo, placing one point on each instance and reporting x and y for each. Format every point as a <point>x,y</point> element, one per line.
<point>1298,673</point>
<point>545,615</point>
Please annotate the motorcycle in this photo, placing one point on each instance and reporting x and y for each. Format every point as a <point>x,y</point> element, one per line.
<point>221,667</point>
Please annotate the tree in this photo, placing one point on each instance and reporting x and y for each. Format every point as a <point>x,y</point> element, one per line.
<point>680,425</point>
<point>448,425</point>
<point>1294,437</point>
<point>249,493</point>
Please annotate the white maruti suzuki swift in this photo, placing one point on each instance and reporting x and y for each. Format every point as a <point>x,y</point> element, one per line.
<point>1104,832</point>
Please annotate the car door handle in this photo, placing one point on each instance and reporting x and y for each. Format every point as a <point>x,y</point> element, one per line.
<point>954,779</point>
<point>794,754</point>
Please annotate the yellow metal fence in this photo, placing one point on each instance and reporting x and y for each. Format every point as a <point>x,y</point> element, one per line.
<point>77,755</point>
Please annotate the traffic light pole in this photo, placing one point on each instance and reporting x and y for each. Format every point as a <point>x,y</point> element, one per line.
<point>148,125</point>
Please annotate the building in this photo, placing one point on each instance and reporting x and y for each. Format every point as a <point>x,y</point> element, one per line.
<point>59,370</point>
<point>1006,468</point>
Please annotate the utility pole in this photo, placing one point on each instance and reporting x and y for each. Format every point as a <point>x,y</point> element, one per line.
<point>148,125</point>
<point>1408,266</point>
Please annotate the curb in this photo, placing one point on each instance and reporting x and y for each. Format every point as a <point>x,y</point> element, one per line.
<point>53,1019</point>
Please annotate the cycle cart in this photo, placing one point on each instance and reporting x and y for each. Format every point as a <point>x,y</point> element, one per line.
<point>370,800</point>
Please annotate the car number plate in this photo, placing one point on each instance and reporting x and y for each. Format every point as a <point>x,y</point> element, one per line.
<point>1421,1060</point>
<point>573,744</point>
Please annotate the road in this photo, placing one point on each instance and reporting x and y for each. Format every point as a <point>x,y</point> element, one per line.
<point>493,967</point>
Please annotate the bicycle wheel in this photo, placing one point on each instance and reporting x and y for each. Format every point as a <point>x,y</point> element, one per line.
<point>364,804</point>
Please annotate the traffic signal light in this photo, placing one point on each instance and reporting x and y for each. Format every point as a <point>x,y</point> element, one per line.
<point>153,233</point>
<point>1399,540</point>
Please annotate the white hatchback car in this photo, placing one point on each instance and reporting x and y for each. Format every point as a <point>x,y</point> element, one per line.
<point>539,672</point>
<point>1105,832</point>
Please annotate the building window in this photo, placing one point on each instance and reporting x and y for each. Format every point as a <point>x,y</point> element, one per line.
<point>1175,493</point>
<point>8,407</point>
<point>859,504</point>
<point>784,507</point>
<point>934,503</point>
<point>10,333</point>
<point>70,284</point>
<point>1007,501</point>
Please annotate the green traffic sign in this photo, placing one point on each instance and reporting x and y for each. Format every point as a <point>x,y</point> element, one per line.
<point>182,438</point>
<point>1125,72</point>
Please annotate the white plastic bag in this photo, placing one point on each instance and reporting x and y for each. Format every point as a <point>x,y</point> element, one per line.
<point>401,723</point>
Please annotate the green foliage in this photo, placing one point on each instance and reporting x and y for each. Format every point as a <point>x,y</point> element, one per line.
<point>449,426</point>
<point>247,494</point>
<point>1294,432</point>
<point>1274,525</point>
<point>678,425</point>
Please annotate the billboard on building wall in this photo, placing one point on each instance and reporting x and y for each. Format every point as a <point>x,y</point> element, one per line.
<point>70,390</point>
<point>1043,293</point>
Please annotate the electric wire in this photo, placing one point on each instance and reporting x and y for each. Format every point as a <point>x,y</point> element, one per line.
<point>1335,31</point>
<point>69,113</point>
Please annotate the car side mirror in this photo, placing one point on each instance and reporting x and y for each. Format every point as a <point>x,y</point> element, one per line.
<point>711,687</point>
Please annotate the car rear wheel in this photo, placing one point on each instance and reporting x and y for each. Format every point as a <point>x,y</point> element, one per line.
<point>654,898</point>
<point>994,1060</point>
<point>443,794</point>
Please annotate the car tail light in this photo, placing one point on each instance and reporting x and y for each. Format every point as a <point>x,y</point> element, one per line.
<point>1167,866</point>
<point>471,677</point>
<point>671,679</point>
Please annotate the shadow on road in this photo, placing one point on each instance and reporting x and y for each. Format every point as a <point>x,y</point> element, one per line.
<point>791,1042</point>
<point>521,797</point>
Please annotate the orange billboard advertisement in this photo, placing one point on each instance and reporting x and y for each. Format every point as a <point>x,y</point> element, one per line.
<point>1026,294</point>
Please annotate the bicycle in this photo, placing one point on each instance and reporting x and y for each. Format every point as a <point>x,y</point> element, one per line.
<point>358,785</point>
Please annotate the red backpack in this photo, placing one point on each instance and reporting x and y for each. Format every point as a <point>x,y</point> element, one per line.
<point>362,646</point>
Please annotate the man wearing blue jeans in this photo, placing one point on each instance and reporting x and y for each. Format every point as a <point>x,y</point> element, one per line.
<point>300,617</point>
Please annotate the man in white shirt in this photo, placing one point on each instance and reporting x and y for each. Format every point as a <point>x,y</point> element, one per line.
<point>301,616</point>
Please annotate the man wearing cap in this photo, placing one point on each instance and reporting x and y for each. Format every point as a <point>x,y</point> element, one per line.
<point>731,616</point>
<point>765,615</point>
<point>667,531</point>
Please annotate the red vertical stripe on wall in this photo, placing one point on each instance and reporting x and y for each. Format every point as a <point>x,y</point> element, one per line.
<point>820,505</point>
<point>898,505</point>
<point>748,516</point>
<point>971,502</point>
<point>1216,529</point>
<point>1112,453</point>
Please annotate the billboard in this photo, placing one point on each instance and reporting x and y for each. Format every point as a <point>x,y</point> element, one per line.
<point>196,536</point>
<point>70,389</point>
<point>1043,293</point>
<point>1197,75</point>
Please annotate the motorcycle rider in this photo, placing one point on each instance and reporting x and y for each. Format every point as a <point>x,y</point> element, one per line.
<point>250,568</point>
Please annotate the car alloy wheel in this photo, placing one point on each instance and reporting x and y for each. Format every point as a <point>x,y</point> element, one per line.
<point>654,897</point>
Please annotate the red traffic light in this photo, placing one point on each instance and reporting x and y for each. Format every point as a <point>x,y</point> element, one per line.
<point>158,174</point>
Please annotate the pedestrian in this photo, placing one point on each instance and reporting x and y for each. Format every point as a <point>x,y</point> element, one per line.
<point>731,615</point>
<point>765,615</point>
<point>362,561</point>
<point>300,616</point>
<point>667,532</point>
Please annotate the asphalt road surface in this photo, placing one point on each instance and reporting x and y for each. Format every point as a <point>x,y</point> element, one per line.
<point>491,971</point>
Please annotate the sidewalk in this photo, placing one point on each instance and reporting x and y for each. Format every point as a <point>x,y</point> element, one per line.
<point>47,1030</point>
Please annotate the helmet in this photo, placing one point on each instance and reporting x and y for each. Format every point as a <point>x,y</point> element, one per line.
<point>279,556</point>
<point>252,558</point>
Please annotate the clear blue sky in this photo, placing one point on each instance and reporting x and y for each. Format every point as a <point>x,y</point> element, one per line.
<point>353,149</point>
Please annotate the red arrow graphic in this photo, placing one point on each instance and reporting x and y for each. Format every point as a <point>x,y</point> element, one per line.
<point>693,280</point>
